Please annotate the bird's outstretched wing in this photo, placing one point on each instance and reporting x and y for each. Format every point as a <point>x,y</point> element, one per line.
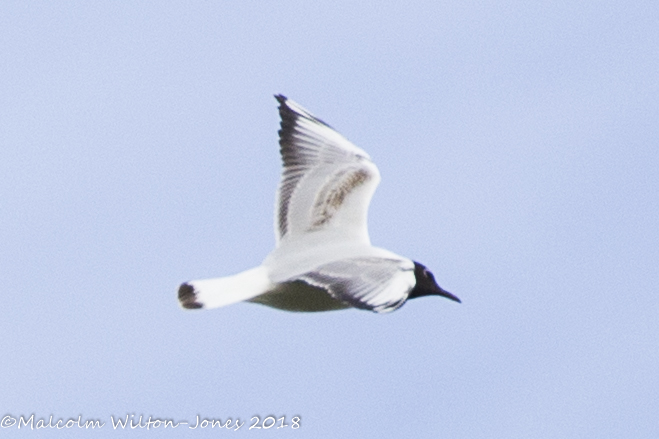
<point>371,283</point>
<point>326,183</point>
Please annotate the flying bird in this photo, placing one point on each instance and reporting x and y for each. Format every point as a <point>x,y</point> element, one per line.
<point>323,259</point>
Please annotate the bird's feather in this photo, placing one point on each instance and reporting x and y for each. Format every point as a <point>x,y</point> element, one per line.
<point>326,183</point>
<point>371,283</point>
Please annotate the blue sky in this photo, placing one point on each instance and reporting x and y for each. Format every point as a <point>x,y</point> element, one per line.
<point>519,150</point>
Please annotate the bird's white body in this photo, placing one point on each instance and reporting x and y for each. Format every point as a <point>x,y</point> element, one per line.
<point>323,259</point>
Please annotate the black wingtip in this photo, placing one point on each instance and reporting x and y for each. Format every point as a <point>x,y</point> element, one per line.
<point>281,99</point>
<point>187,297</point>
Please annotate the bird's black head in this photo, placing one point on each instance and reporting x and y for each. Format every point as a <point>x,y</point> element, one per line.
<point>426,285</point>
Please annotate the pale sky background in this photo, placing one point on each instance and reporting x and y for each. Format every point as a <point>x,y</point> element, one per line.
<point>518,144</point>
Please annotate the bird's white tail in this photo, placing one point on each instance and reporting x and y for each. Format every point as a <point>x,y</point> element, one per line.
<point>222,291</point>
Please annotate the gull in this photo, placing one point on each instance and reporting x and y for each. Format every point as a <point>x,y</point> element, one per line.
<point>323,259</point>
